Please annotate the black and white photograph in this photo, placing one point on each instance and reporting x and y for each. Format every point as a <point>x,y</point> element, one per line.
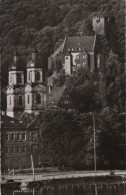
<point>63,111</point>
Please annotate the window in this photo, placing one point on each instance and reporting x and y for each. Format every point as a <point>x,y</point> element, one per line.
<point>11,78</point>
<point>7,137</point>
<point>19,78</point>
<point>38,98</point>
<point>13,137</point>
<point>32,136</point>
<point>66,102</point>
<point>12,149</point>
<point>66,58</point>
<point>18,136</point>
<point>18,149</point>
<point>10,101</point>
<point>20,100</point>
<point>24,149</point>
<point>24,136</point>
<point>7,149</point>
<point>29,75</point>
<point>28,98</point>
<point>38,76</point>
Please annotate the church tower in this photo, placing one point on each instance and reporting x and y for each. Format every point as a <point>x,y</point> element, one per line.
<point>15,89</point>
<point>35,90</point>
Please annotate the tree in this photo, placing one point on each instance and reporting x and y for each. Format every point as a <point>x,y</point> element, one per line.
<point>114,83</point>
<point>60,137</point>
<point>84,89</point>
<point>112,140</point>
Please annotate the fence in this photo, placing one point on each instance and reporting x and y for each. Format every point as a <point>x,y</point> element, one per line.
<point>25,192</point>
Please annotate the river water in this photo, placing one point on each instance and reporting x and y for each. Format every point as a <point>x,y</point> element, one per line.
<point>94,190</point>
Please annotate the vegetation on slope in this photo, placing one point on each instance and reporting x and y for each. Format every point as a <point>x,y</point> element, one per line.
<point>45,23</point>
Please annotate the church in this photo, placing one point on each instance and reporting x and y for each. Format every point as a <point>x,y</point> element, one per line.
<point>27,90</point>
<point>25,94</point>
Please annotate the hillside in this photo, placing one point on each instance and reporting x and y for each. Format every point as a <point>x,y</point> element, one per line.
<point>44,24</point>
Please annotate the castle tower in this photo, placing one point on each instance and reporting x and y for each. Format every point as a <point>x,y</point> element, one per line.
<point>104,25</point>
<point>35,90</point>
<point>15,89</point>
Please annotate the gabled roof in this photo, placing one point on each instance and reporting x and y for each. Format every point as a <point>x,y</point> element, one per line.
<point>83,42</point>
<point>11,123</point>
<point>55,95</point>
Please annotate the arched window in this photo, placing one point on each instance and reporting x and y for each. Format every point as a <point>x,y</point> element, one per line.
<point>20,100</point>
<point>38,76</point>
<point>28,98</point>
<point>38,98</point>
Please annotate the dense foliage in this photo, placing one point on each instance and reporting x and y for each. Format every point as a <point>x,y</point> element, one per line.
<point>45,23</point>
<point>84,89</point>
<point>66,138</point>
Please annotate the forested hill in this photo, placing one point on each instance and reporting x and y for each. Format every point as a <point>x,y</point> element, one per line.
<point>45,23</point>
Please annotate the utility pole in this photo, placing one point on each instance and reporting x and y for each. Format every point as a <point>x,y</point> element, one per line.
<point>94,142</point>
<point>32,167</point>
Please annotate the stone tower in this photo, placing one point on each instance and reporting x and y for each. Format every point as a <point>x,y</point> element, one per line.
<point>35,91</point>
<point>15,89</point>
<point>104,25</point>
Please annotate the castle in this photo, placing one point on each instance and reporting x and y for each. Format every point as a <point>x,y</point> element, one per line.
<point>32,94</point>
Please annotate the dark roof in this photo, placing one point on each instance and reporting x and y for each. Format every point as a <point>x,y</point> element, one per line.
<point>83,42</point>
<point>11,123</point>
<point>55,95</point>
<point>35,84</point>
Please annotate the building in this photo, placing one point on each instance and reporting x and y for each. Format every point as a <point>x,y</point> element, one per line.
<point>59,97</point>
<point>76,51</point>
<point>25,95</point>
<point>86,51</point>
<point>18,143</point>
<point>31,93</point>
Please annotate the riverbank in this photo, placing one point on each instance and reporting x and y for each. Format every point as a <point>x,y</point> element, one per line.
<point>83,181</point>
